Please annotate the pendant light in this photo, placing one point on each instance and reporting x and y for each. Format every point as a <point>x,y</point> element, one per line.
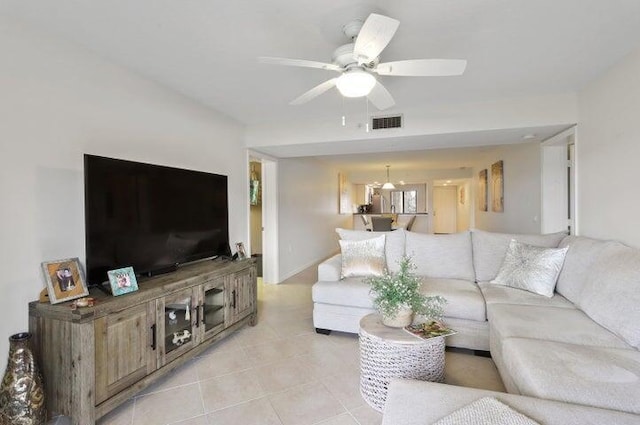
<point>388,184</point>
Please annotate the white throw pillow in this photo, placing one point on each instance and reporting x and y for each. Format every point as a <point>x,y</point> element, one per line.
<point>363,258</point>
<point>531,268</point>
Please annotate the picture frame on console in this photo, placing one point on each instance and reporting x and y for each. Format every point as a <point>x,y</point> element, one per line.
<point>64,279</point>
<point>122,281</point>
<point>240,250</point>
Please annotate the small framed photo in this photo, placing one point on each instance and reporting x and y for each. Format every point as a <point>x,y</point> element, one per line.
<point>122,281</point>
<point>241,253</point>
<point>65,280</point>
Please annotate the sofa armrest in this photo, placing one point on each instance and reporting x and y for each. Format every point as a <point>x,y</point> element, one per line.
<point>330,269</point>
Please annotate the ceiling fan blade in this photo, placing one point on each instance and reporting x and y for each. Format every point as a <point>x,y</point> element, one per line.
<point>377,31</point>
<point>299,62</point>
<point>423,67</point>
<point>380,97</point>
<point>314,92</point>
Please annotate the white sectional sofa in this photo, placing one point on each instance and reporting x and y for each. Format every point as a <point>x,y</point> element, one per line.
<point>579,346</point>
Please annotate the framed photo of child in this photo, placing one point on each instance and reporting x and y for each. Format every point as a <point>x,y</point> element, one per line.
<point>122,281</point>
<point>64,280</point>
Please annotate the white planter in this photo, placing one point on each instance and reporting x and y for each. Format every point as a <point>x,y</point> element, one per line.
<point>403,318</point>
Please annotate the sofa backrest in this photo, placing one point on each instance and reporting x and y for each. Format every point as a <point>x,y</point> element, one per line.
<point>610,293</point>
<point>489,249</point>
<point>394,244</point>
<point>441,256</point>
<point>578,263</point>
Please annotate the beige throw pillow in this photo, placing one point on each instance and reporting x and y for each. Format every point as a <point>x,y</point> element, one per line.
<point>531,268</point>
<point>363,258</point>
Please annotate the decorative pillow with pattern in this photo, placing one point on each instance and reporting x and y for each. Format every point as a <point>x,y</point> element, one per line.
<point>363,258</point>
<point>531,268</point>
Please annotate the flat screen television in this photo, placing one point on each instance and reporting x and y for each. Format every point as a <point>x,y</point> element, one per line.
<point>151,217</point>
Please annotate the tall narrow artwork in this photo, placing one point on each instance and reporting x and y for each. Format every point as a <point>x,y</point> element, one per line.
<point>344,196</point>
<point>482,190</point>
<point>497,187</point>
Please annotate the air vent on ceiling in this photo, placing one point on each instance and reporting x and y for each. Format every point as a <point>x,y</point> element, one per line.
<point>379,123</point>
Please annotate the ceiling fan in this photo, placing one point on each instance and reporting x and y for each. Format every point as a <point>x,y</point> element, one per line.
<point>358,61</point>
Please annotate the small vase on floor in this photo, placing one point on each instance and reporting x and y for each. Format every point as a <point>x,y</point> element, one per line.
<point>21,390</point>
<point>402,318</point>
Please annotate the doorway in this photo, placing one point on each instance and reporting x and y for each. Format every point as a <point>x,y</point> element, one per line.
<point>263,216</point>
<point>559,183</point>
<point>255,212</point>
<point>445,218</point>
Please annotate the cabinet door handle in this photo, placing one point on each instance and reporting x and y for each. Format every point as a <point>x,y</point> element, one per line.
<point>202,319</point>
<point>233,296</point>
<point>197,312</point>
<point>153,337</point>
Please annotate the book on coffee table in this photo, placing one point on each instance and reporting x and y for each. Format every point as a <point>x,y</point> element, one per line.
<point>430,329</point>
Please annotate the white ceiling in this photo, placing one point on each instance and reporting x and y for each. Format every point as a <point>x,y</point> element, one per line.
<point>207,49</point>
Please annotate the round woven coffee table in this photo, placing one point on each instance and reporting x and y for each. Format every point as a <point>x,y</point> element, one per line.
<point>387,353</point>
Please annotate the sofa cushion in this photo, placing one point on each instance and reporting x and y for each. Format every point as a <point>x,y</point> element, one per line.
<point>406,401</point>
<point>581,256</point>
<point>363,258</point>
<point>500,294</point>
<point>394,244</point>
<point>441,256</point>
<point>596,376</point>
<point>464,299</point>
<point>611,294</point>
<point>351,292</point>
<point>489,249</point>
<point>531,268</point>
<point>330,268</point>
<point>549,323</point>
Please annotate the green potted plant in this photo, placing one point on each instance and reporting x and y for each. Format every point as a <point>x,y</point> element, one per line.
<point>397,296</point>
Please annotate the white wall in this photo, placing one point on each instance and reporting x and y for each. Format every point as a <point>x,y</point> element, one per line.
<point>308,214</point>
<point>521,190</point>
<point>59,102</point>
<point>608,151</point>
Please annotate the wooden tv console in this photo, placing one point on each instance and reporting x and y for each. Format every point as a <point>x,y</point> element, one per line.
<point>95,358</point>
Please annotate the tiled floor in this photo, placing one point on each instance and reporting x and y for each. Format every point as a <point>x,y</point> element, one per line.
<point>279,372</point>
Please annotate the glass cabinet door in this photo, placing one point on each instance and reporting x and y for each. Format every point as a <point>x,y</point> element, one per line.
<point>176,324</point>
<point>213,307</point>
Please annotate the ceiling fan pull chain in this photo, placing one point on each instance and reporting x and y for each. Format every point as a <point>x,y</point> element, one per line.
<point>344,114</point>
<point>366,100</point>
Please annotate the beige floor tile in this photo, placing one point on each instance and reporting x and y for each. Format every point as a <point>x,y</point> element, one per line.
<point>472,371</point>
<point>345,387</point>
<point>231,389</point>
<point>282,375</point>
<point>295,327</point>
<point>271,351</point>
<point>221,363</point>
<point>168,406</point>
<point>366,415</point>
<point>198,420</point>
<point>344,338</point>
<point>344,419</point>
<point>255,412</point>
<point>184,375</point>
<point>259,334</point>
<point>322,363</point>
<point>305,405</point>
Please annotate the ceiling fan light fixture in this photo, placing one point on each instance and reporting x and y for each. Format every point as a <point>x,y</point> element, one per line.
<point>355,83</point>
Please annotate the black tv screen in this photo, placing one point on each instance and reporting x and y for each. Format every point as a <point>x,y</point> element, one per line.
<point>151,217</point>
